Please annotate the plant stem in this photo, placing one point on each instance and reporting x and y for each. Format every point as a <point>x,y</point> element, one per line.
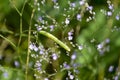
<point>28,51</point>
<point>21,13</point>
<point>8,41</point>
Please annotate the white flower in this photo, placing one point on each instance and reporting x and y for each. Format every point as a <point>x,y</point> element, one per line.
<point>67,21</point>
<point>54,56</point>
<point>109,13</point>
<point>70,37</point>
<point>71,77</point>
<point>73,57</point>
<point>80,47</point>
<point>81,2</point>
<point>78,16</point>
<point>117,17</point>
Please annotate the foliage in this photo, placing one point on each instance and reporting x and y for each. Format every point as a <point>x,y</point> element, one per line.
<point>59,40</point>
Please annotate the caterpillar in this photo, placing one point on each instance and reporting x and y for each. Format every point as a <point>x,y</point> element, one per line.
<point>55,39</point>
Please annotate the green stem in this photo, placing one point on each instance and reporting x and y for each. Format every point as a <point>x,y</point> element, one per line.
<point>28,51</point>
<point>8,41</point>
<point>15,7</point>
<point>20,31</point>
<point>21,13</point>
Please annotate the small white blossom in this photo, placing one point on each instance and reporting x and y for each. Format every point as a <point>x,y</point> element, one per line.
<point>90,8</point>
<point>71,77</point>
<point>54,56</point>
<point>117,17</point>
<point>35,48</point>
<point>109,13</point>
<point>40,18</point>
<point>73,56</point>
<point>70,33</point>
<point>80,47</point>
<point>72,4</point>
<point>99,46</point>
<point>16,63</point>
<point>116,78</point>
<point>39,28</point>
<point>46,79</point>
<point>78,16</point>
<point>107,40</point>
<point>65,65</point>
<point>54,1</point>
<point>81,2</point>
<point>51,27</point>
<point>31,46</point>
<point>111,68</point>
<point>5,74</point>
<point>67,21</point>
<point>70,37</point>
<point>38,9</point>
<point>111,7</point>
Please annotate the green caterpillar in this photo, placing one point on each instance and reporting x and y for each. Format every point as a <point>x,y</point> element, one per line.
<point>55,39</point>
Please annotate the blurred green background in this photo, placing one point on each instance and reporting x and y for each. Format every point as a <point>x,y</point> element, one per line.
<point>90,28</point>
